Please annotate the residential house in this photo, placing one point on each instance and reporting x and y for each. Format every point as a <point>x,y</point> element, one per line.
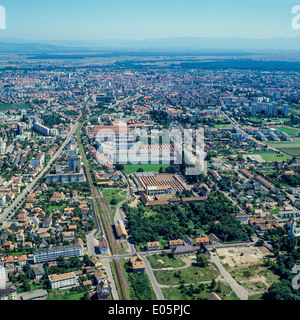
<point>153,245</point>
<point>175,243</point>
<point>47,222</point>
<point>96,262</point>
<point>137,263</point>
<point>68,235</point>
<point>9,293</point>
<point>187,240</point>
<point>20,236</point>
<point>7,245</point>
<point>99,276</point>
<point>201,240</point>
<point>102,246</point>
<point>38,272</point>
<point>9,262</point>
<point>213,239</point>
<point>27,245</point>
<point>103,293</point>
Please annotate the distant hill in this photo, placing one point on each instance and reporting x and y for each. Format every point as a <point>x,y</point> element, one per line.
<point>14,45</point>
<point>29,48</point>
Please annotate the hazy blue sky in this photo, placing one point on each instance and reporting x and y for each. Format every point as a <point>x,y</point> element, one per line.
<point>138,19</point>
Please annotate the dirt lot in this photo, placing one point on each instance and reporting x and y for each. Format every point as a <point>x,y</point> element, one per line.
<point>245,264</point>
<point>236,256</point>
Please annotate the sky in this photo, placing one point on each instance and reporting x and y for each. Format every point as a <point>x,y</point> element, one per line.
<point>139,19</point>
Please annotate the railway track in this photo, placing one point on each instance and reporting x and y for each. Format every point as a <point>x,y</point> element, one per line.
<point>105,225</point>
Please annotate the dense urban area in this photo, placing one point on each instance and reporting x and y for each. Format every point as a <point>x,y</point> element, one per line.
<point>80,221</point>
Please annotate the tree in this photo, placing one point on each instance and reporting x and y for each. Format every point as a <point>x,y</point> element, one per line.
<point>113,201</point>
<point>26,285</point>
<point>202,260</point>
<point>213,284</point>
<point>280,290</point>
<point>240,157</point>
<point>119,167</point>
<point>86,296</point>
<point>259,243</point>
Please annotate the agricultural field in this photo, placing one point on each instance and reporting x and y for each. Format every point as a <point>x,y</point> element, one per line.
<point>290,148</point>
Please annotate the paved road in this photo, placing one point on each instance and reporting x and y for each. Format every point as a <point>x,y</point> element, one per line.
<point>107,267</point>
<point>240,291</point>
<point>153,280</point>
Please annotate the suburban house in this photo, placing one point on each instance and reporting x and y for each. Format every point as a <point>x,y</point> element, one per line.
<point>137,263</point>
<point>102,246</point>
<point>201,240</point>
<point>103,293</point>
<point>213,239</point>
<point>153,245</point>
<point>99,276</point>
<point>175,243</point>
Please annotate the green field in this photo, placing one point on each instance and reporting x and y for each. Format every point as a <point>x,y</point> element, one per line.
<point>225,126</point>
<point>7,106</point>
<point>177,293</point>
<point>159,261</point>
<point>287,130</point>
<point>190,274</point>
<point>271,157</point>
<point>71,296</point>
<point>138,285</point>
<point>110,194</point>
<point>132,168</point>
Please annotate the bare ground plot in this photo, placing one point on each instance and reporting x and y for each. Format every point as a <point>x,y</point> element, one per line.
<point>246,266</point>
<point>133,202</point>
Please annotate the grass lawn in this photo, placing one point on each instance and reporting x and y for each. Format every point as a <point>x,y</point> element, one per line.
<point>132,168</point>
<point>110,194</point>
<point>256,297</point>
<point>188,275</point>
<point>61,208</point>
<point>68,296</point>
<point>140,287</point>
<point>271,157</point>
<point>287,130</point>
<point>225,126</point>
<point>223,290</point>
<point>159,261</point>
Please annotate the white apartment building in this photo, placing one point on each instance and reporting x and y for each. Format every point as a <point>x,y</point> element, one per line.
<point>62,280</point>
